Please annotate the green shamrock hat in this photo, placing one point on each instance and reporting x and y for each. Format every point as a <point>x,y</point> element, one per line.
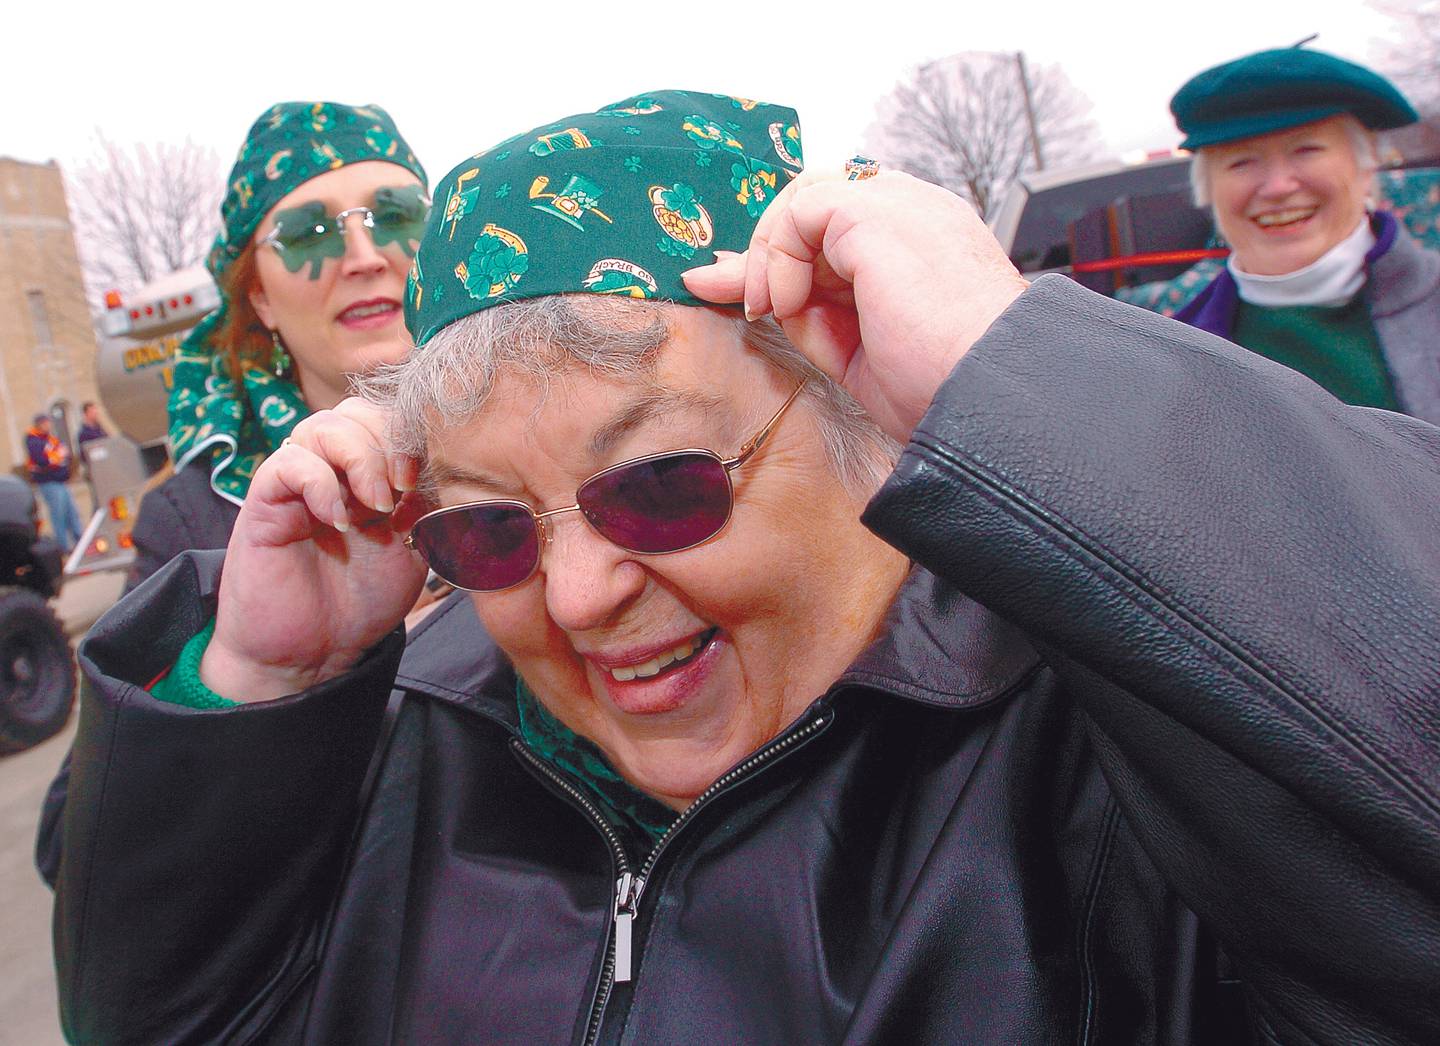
<point>233,426</point>
<point>1277,90</point>
<point>617,201</point>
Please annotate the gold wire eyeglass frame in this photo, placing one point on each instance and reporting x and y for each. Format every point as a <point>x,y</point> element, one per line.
<point>748,450</point>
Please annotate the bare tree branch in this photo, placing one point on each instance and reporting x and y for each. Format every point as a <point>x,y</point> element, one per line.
<point>960,122</point>
<point>1411,57</point>
<point>143,211</point>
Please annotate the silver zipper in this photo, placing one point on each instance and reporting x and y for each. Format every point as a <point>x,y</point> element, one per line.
<point>627,896</point>
<point>623,886</point>
<point>619,958</point>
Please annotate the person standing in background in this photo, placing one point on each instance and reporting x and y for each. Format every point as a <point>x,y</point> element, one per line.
<point>91,427</point>
<point>1319,278</point>
<point>50,471</point>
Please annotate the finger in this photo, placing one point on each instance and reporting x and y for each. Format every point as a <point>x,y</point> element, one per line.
<point>404,471</point>
<point>828,335</point>
<point>757,294</point>
<point>722,282</point>
<point>294,473</point>
<point>351,448</point>
<point>797,246</point>
<point>757,288</point>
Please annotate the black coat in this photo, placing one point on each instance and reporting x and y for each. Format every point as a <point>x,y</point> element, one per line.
<point>182,513</point>
<point>1198,720</point>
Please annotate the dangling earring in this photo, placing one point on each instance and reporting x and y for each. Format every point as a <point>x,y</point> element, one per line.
<point>281,365</point>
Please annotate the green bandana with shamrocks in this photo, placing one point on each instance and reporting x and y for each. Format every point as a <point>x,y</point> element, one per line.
<point>239,424</point>
<point>619,201</point>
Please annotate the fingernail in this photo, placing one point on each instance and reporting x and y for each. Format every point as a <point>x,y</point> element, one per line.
<point>749,316</point>
<point>342,525</point>
<point>404,486</point>
<point>722,255</point>
<point>340,519</point>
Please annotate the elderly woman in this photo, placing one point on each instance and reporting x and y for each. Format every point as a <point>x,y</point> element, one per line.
<point>700,756</point>
<point>322,214</point>
<point>1285,157</point>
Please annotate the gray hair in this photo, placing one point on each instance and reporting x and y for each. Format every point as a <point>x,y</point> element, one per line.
<point>1362,147</point>
<point>447,381</point>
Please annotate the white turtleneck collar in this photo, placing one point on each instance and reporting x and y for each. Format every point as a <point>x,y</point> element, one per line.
<point>1332,279</point>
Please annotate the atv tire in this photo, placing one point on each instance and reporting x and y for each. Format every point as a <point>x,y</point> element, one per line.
<point>37,671</point>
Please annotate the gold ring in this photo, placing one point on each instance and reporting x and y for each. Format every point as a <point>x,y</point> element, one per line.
<point>858,168</point>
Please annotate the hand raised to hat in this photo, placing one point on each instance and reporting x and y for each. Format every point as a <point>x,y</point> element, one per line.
<point>316,572</point>
<point>884,283</point>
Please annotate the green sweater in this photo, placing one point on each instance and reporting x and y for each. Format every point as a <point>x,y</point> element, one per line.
<point>1335,347</point>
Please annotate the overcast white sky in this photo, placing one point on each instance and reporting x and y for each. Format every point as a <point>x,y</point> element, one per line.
<point>458,77</point>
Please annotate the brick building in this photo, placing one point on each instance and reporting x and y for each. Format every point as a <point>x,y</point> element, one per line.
<point>47,341</point>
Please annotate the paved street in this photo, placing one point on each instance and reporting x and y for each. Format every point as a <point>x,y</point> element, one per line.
<point>27,979</point>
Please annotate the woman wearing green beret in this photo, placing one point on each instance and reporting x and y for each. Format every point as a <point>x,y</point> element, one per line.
<point>322,213</point>
<point>1318,280</point>
<point>859,646</point>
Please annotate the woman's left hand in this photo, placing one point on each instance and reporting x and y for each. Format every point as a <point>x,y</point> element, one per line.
<point>883,283</point>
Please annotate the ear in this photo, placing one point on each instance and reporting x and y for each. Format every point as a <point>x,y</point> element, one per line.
<point>261,304</point>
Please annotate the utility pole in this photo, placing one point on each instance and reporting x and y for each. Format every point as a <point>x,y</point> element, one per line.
<point>1029,111</point>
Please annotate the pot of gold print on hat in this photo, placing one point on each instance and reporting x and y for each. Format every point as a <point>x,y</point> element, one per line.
<point>579,197</point>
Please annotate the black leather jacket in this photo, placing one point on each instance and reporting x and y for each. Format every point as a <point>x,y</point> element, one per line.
<point>182,513</point>
<point>1179,778</point>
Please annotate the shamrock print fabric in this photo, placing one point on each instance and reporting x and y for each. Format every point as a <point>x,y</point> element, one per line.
<point>617,201</point>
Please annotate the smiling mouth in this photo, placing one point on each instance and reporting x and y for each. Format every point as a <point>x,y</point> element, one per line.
<point>366,309</point>
<point>672,658</point>
<point>1281,219</point>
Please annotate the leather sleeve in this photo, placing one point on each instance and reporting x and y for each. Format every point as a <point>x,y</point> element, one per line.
<point>1238,579</point>
<point>201,848</point>
<point>161,533</point>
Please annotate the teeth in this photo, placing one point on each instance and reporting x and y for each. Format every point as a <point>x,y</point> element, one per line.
<point>1284,217</point>
<point>369,310</point>
<point>655,664</point>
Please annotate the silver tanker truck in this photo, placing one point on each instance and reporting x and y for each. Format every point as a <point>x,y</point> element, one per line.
<point>139,339</point>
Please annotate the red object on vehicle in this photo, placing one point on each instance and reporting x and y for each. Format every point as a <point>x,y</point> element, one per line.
<point>1129,261</point>
<point>112,300</point>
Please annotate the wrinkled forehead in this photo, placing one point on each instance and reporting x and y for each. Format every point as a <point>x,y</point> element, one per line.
<point>587,373</point>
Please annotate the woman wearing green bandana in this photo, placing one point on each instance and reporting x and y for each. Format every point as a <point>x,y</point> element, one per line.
<point>863,646</point>
<point>321,217</point>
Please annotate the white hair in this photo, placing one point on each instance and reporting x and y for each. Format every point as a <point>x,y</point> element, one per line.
<point>447,381</point>
<point>1362,147</point>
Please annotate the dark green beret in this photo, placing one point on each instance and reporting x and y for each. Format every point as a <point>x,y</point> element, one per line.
<point>618,201</point>
<point>1276,90</point>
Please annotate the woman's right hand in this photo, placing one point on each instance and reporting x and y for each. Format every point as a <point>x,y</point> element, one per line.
<point>316,571</point>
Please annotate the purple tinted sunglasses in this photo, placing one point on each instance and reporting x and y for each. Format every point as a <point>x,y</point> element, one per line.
<point>651,505</point>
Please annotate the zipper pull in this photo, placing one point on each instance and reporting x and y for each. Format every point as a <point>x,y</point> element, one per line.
<point>627,897</point>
